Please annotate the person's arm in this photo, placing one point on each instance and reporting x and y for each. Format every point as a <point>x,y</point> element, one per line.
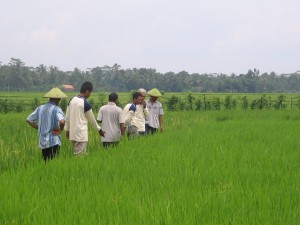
<point>91,119</point>
<point>122,129</point>
<point>129,114</point>
<point>32,118</point>
<point>146,113</point>
<point>122,122</point>
<point>62,124</point>
<point>160,119</point>
<point>67,123</point>
<point>32,124</point>
<point>99,117</point>
<point>61,120</point>
<point>61,127</point>
<point>129,118</point>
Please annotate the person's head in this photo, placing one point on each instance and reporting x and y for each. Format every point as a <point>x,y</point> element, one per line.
<point>143,93</point>
<point>55,100</point>
<point>55,95</point>
<point>86,89</point>
<point>154,94</point>
<point>113,97</point>
<point>137,98</point>
<point>153,98</point>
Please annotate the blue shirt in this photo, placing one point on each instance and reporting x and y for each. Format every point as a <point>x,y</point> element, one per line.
<point>47,117</point>
<point>86,105</point>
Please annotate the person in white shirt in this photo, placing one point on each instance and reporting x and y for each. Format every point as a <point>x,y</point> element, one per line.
<point>79,114</point>
<point>141,114</point>
<point>112,118</point>
<point>156,112</point>
<point>130,114</point>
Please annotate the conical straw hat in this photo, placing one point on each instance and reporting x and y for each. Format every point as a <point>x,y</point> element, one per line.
<point>55,93</point>
<point>154,92</point>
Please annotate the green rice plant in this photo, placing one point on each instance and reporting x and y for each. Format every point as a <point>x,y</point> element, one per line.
<point>200,170</point>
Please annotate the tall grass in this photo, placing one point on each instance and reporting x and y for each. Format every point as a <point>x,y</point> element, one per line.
<point>206,168</point>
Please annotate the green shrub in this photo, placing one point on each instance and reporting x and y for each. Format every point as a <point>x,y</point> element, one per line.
<point>198,104</point>
<point>35,103</point>
<point>172,103</point>
<point>216,103</point>
<point>63,104</point>
<point>245,103</point>
<point>280,103</point>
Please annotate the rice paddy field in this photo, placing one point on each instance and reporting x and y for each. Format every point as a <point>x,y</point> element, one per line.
<point>207,167</point>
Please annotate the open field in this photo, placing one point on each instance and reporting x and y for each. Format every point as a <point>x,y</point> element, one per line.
<point>208,167</point>
<point>20,101</point>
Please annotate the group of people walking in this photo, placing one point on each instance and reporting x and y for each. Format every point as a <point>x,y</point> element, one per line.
<point>138,118</point>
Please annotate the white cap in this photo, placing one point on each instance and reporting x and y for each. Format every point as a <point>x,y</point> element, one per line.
<point>142,91</point>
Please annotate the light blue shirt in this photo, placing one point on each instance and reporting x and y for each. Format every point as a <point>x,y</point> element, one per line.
<point>47,117</point>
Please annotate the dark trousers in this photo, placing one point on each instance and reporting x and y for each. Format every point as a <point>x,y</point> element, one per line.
<point>142,133</point>
<point>110,144</point>
<point>151,130</point>
<point>49,153</point>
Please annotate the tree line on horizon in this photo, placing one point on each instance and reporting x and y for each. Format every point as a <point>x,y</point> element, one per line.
<point>16,76</point>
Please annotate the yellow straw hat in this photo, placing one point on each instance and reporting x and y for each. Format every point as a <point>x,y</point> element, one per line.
<point>55,93</point>
<point>154,92</point>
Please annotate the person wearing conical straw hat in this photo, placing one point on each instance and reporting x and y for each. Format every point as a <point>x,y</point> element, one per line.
<point>49,120</point>
<point>79,114</point>
<point>155,119</point>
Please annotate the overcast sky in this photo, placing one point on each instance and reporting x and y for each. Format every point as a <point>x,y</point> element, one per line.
<point>198,36</point>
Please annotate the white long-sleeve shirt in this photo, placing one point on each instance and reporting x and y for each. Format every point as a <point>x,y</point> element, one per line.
<point>136,118</point>
<point>129,115</point>
<point>79,114</point>
<point>141,115</point>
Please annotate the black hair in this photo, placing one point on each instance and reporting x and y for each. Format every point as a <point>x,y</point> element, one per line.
<point>136,95</point>
<point>113,97</point>
<point>86,86</point>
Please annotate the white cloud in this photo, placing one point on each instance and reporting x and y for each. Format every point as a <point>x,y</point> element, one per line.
<point>196,36</point>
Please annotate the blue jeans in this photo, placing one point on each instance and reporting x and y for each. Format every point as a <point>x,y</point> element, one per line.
<point>150,129</point>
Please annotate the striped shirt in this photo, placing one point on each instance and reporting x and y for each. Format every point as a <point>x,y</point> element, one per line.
<point>47,117</point>
<point>155,110</point>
